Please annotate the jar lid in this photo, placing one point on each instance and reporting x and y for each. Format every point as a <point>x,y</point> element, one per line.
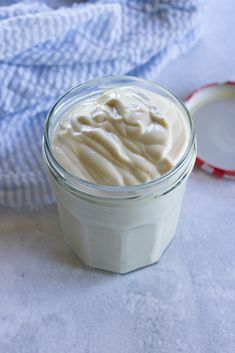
<point>213,111</point>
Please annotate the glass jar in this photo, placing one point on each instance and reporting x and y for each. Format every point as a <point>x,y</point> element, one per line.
<point>117,228</point>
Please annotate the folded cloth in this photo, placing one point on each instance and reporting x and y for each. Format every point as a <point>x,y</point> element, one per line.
<point>45,51</point>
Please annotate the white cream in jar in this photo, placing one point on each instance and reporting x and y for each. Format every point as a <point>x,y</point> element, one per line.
<point>119,151</point>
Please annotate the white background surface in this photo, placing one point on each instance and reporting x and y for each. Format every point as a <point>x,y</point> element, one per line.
<point>50,303</point>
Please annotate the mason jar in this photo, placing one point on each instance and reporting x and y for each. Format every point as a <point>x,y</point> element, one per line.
<point>117,228</point>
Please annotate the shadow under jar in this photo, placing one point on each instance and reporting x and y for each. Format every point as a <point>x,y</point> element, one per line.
<point>117,228</point>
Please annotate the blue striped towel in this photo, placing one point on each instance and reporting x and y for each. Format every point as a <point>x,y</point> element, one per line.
<point>45,51</point>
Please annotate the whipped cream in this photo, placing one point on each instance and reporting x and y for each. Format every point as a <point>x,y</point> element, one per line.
<point>123,137</point>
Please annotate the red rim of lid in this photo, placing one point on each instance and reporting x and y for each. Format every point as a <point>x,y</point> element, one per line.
<point>200,163</point>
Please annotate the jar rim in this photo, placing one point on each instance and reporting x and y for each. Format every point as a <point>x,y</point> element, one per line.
<point>75,182</point>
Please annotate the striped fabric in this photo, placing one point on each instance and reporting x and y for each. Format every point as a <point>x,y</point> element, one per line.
<point>45,51</point>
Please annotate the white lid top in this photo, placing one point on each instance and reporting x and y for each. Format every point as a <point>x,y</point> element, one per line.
<point>213,110</point>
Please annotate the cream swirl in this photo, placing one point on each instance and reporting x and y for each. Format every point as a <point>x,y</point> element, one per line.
<point>123,137</point>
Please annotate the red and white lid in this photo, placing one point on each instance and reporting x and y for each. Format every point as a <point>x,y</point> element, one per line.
<point>213,111</point>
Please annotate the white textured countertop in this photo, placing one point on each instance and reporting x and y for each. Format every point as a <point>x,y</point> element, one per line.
<point>50,303</point>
